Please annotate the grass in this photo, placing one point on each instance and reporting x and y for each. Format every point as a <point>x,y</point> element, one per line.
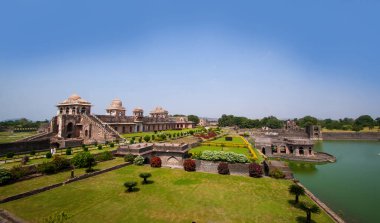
<point>174,196</point>
<point>6,137</point>
<point>243,151</point>
<point>40,156</point>
<point>142,134</point>
<point>365,129</point>
<point>27,185</point>
<point>234,140</point>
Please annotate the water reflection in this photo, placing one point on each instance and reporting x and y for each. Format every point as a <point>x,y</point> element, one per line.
<point>303,168</point>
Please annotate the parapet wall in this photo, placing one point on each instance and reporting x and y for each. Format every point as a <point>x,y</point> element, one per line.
<point>20,147</point>
<point>351,135</point>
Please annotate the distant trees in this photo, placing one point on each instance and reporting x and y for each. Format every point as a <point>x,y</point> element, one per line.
<point>243,122</point>
<point>20,123</point>
<point>193,118</point>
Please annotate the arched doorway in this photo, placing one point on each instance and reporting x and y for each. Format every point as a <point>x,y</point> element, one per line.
<point>263,150</point>
<point>301,152</point>
<point>172,161</point>
<point>69,127</point>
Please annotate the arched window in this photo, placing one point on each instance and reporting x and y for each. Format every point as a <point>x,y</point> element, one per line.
<point>83,110</point>
<point>61,110</point>
<point>67,110</point>
<point>86,133</point>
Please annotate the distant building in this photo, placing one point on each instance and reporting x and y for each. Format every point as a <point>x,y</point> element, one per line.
<point>74,124</point>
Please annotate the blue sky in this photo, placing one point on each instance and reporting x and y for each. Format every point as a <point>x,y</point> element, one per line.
<point>248,58</point>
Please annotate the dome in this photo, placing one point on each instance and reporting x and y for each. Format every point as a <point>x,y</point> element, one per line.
<point>74,99</point>
<point>159,109</point>
<point>116,104</point>
<point>138,109</point>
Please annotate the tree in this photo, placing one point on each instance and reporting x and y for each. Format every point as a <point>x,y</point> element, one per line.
<point>365,121</point>
<point>307,121</point>
<point>130,185</point>
<point>145,176</point>
<point>309,208</point>
<point>193,118</point>
<point>378,121</point>
<point>83,159</point>
<point>147,138</point>
<point>297,191</point>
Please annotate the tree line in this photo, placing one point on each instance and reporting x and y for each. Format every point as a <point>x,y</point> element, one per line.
<point>275,123</point>
<point>20,123</point>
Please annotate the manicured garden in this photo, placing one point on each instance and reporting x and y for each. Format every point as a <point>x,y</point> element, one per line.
<point>6,137</point>
<point>171,132</point>
<point>235,139</point>
<point>172,195</point>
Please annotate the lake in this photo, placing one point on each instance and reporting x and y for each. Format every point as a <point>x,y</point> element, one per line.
<point>351,186</point>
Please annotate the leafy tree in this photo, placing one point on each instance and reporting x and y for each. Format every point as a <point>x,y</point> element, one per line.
<point>365,121</point>
<point>378,121</point>
<point>297,191</point>
<point>5,176</point>
<point>272,122</point>
<point>309,208</point>
<point>146,138</point>
<point>48,155</point>
<point>307,121</point>
<point>193,118</point>
<point>145,176</point>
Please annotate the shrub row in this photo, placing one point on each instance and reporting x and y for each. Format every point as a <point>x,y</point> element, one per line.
<point>230,157</point>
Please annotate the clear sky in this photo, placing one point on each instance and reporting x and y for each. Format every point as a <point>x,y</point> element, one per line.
<point>248,58</point>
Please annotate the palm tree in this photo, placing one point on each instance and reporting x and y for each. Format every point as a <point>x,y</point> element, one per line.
<point>296,190</point>
<point>309,208</point>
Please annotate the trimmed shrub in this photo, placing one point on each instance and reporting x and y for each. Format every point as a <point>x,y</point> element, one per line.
<point>60,163</point>
<point>140,140</point>
<point>145,176</point>
<point>189,165</point>
<point>19,171</point>
<point>130,185</point>
<point>85,149</point>
<point>69,151</point>
<point>132,141</point>
<point>10,155</point>
<point>196,155</point>
<point>223,168</point>
<point>49,155</point>
<point>230,157</point>
<point>139,160</point>
<point>255,170</point>
<point>276,173</point>
<point>147,138</point>
<point>155,161</point>
<point>100,147</point>
<point>84,146</point>
<point>83,159</point>
<point>153,137</point>
<point>5,176</point>
<point>112,144</point>
<point>106,155</point>
<point>33,152</point>
<point>25,160</point>
<point>47,168</point>
<point>129,157</point>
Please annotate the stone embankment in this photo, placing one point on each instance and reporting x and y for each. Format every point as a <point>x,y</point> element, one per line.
<point>351,136</point>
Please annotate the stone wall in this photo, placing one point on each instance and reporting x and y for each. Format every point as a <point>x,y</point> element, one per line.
<point>22,147</point>
<point>351,135</point>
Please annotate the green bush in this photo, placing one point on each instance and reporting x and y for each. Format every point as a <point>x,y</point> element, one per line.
<point>48,155</point>
<point>196,155</point>
<point>19,171</point>
<point>106,155</point>
<point>10,155</point>
<point>230,157</point>
<point>60,163</point>
<point>83,159</point>
<point>130,185</point>
<point>47,168</point>
<point>132,141</point>
<point>145,176</point>
<point>129,158</point>
<point>85,149</point>
<point>140,140</point>
<point>276,173</point>
<point>147,138</point>
<point>139,160</point>
<point>100,147</point>
<point>69,151</point>
<point>33,152</point>
<point>5,176</point>
<point>112,144</point>
<point>153,137</point>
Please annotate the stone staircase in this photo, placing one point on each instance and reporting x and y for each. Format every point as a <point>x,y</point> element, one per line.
<point>36,137</point>
<point>104,126</point>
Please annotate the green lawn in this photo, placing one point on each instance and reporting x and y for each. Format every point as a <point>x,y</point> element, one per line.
<point>27,185</point>
<point>223,139</point>
<point>244,151</point>
<point>142,134</point>
<point>175,196</point>
<point>6,137</point>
